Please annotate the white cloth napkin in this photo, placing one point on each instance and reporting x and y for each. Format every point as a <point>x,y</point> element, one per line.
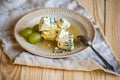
<point>86,61</point>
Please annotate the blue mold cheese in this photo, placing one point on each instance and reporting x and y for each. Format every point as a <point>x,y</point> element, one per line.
<point>47,23</point>
<point>57,31</point>
<point>47,27</point>
<point>49,35</point>
<point>63,23</point>
<point>65,40</point>
<point>61,34</point>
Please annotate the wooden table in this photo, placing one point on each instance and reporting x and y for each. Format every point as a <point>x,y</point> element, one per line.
<point>107,14</point>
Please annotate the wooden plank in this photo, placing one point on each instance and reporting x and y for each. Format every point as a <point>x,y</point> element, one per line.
<point>52,74</point>
<point>112,77</point>
<point>0,73</point>
<point>73,75</point>
<point>81,75</point>
<point>31,73</point>
<point>87,76</point>
<point>95,75</point>
<point>9,71</point>
<point>96,9</point>
<point>98,75</point>
<point>1,60</point>
<point>112,25</point>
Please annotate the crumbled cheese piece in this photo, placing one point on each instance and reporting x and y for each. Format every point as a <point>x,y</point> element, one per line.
<point>49,35</point>
<point>63,24</point>
<point>57,50</point>
<point>66,42</point>
<point>61,34</point>
<point>52,30</point>
<point>47,23</point>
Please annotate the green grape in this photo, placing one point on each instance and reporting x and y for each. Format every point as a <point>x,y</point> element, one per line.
<point>34,37</point>
<point>35,28</point>
<point>26,32</point>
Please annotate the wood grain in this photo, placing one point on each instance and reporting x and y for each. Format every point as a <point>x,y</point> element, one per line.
<point>31,73</point>
<point>112,25</point>
<point>107,14</point>
<point>9,71</point>
<point>96,9</point>
<point>82,75</point>
<point>73,75</point>
<point>87,76</point>
<point>52,74</point>
<point>94,75</point>
<point>112,77</point>
<point>99,75</point>
<point>1,73</point>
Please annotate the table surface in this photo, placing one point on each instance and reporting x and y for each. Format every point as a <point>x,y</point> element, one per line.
<point>107,15</point>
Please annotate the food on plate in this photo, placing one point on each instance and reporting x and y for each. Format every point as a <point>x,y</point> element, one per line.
<point>47,23</point>
<point>57,50</point>
<point>50,29</point>
<point>49,34</point>
<point>35,28</point>
<point>65,40</point>
<point>26,32</point>
<point>34,37</point>
<point>63,23</point>
<point>61,34</point>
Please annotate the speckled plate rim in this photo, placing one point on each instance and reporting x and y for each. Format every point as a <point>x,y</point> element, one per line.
<point>55,55</point>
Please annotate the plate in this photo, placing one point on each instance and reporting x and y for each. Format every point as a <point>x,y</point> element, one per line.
<point>81,24</point>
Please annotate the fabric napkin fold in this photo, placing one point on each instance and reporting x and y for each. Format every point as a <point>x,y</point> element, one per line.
<point>85,61</point>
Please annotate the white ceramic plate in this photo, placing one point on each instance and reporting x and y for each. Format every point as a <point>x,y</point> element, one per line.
<point>78,20</point>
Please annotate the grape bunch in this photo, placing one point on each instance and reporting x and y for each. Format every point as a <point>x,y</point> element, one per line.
<point>32,35</point>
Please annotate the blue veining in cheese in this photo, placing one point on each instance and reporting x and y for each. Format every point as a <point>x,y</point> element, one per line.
<point>47,23</point>
<point>57,31</point>
<point>65,40</point>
